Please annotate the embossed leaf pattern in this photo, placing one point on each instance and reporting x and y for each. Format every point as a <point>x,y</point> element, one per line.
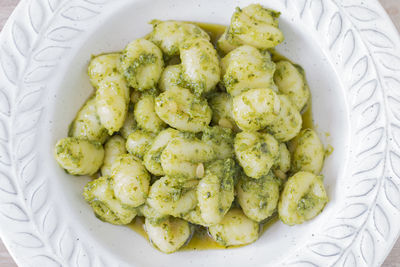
<point>325,249</point>
<point>77,13</point>
<point>377,38</point>
<point>27,240</point>
<point>367,246</point>
<point>37,15</point>
<point>21,39</point>
<point>381,221</point>
<point>63,33</point>
<point>9,65</point>
<point>349,43</point>
<point>365,93</point>
<point>392,193</point>
<point>362,13</point>
<point>3,132</point>
<point>341,231</point>
<point>335,29</point>
<point>371,67</point>
<point>389,60</point>
<point>4,103</point>
<point>6,184</point>
<point>21,109</point>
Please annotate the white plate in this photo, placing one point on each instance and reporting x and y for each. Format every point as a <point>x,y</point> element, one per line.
<point>350,51</point>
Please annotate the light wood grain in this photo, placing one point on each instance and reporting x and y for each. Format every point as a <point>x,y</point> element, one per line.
<point>391,6</point>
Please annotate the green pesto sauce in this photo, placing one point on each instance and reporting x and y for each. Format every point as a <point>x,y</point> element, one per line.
<point>201,240</point>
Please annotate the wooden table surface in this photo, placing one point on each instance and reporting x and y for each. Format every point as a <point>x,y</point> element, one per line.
<point>391,6</point>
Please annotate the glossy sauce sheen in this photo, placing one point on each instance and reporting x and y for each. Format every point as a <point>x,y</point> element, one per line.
<point>201,240</point>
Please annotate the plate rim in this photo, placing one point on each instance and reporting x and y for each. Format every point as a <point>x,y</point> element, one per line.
<point>13,27</point>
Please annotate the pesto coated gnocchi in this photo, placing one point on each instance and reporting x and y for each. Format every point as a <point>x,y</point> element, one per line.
<point>191,131</point>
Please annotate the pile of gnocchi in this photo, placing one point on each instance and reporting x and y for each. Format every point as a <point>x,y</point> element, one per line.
<point>188,133</point>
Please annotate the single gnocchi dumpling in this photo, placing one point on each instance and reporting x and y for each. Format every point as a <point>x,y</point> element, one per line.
<point>256,153</point>
<point>152,157</point>
<point>131,180</point>
<point>87,124</point>
<point>79,156</point>
<point>200,65</point>
<point>130,124</point>
<point>170,35</point>
<point>141,63</point>
<point>288,122</point>
<point>145,115</point>
<point>221,140</point>
<point>168,235</point>
<point>170,77</point>
<point>139,142</point>
<point>291,81</point>
<point>247,68</point>
<point>112,99</point>
<point>309,153</point>
<point>258,197</point>
<point>256,26</point>
<point>181,109</point>
<point>282,165</point>
<point>303,198</point>
<point>215,192</point>
<point>183,157</point>
<point>170,196</point>
<point>235,229</point>
<point>100,196</point>
<point>113,148</point>
<point>101,66</point>
<point>221,106</point>
<point>255,109</point>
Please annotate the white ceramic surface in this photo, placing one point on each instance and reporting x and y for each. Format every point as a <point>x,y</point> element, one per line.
<point>350,51</point>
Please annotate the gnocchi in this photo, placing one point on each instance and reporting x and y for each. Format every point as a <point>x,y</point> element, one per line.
<point>112,99</point>
<point>181,109</point>
<point>170,77</point>
<point>152,157</point>
<point>101,66</point>
<point>193,129</point>
<point>131,180</point>
<point>87,124</point>
<point>291,81</point>
<point>100,196</point>
<point>288,122</point>
<point>141,63</point>
<point>235,229</point>
<point>168,235</point>
<point>114,148</point>
<point>79,156</point>
<point>256,109</point>
<point>309,153</point>
<point>221,106</point>
<point>256,26</point>
<point>139,142</point>
<point>182,157</point>
<point>258,198</point>
<point>256,152</point>
<point>215,192</point>
<point>247,68</point>
<point>145,115</point>
<point>302,199</point>
<point>171,196</point>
